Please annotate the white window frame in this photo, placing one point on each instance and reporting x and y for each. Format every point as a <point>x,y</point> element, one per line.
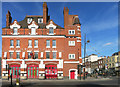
<point>34,44</point>
<point>71,56</point>
<point>13,44</point>
<point>33,33</point>
<point>39,20</point>
<point>71,43</point>
<point>60,54</point>
<point>71,32</point>
<point>16,29</point>
<point>46,44</point>
<point>16,44</point>
<point>29,45</point>
<point>52,44</point>
<point>29,20</point>
<point>41,54</point>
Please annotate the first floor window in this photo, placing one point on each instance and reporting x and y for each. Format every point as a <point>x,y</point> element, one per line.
<point>29,42</point>
<point>36,43</point>
<point>11,54</point>
<point>71,43</point>
<point>47,55</point>
<point>47,43</point>
<point>36,55</point>
<point>29,56</point>
<point>53,42</point>
<point>11,43</point>
<point>18,55</point>
<point>18,43</point>
<point>54,55</point>
<point>71,56</point>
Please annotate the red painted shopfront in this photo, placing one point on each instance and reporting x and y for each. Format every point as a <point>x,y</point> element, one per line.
<point>32,71</point>
<point>51,72</point>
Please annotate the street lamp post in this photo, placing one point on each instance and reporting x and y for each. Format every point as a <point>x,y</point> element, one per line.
<point>85,52</point>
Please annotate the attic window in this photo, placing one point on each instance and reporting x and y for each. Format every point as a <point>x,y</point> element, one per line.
<point>51,30</point>
<point>40,20</point>
<point>29,20</point>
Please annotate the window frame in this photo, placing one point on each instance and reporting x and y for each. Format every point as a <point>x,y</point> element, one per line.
<point>35,46</point>
<point>47,44</point>
<point>11,56</point>
<point>18,56</point>
<point>39,20</point>
<point>70,43</point>
<point>51,33</point>
<point>47,55</point>
<point>54,56</point>
<point>70,32</point>
<point>35,55</point>
<point>70,56</point>
<point>29,46</point>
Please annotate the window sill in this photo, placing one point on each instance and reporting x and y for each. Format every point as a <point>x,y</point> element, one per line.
<point>35,46</point>
<point>11,46</point>
<point>72,45</point>
<point>15,33</point>
<point>47,46</point>
<point>53,46</point>
<point>17,46</point>
<point>71,58</point>
<point>29,46</point>
<point>51,34</point>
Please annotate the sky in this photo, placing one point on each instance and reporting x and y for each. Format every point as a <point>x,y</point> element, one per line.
<point>99,21</point>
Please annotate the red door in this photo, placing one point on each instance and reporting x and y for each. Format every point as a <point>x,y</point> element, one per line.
<point>32,71</point>
<point>51,72</point>
<point>15,71</point>
<point>72,74</point>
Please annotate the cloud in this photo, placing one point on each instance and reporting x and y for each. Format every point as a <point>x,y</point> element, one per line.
<point>107,44</point>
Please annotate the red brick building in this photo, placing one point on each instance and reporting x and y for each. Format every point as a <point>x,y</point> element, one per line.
<point>36,47</point>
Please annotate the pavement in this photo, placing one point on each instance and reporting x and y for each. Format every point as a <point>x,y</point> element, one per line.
<point>99,82</point>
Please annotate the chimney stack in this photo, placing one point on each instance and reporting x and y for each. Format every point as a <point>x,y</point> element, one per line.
<point>66,14</point>
<point>45,13</point>
<point>8,19</point>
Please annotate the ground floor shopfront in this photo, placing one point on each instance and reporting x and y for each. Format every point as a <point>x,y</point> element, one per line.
<point>40,69</point>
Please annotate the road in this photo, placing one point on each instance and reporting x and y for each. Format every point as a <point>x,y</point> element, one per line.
<point>58,83</point>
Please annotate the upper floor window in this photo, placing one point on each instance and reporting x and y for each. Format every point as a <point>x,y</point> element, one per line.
<point>11,43</point>
<point>36,43</point>
<point>18,55</point>
<point>51,30</point>
<point>40,20</point>
<point>47,55</point>
<point>71,43</point>
<point>71,56</point>
<point>11,54</point>
<point>18,43</point>
<point>29,56</point>
<point>15,30</point>
<point>54,55</point>
<point>54,43</point>
<point>48,43</point>
<point>113,59</point>
<point>71,32</point>
<point>29,20</point>
<point>29,43</point>
<point>36,55</point>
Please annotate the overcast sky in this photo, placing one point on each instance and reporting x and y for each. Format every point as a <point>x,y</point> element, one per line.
<point>99,21</point>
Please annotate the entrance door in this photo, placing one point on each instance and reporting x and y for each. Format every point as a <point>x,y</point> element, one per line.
<point>51,72</point>
<point>72,74</point>
<point>32,71</point>
<point>15,71</point>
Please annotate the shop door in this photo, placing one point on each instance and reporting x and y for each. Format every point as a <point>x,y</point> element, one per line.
<point>72,74</point>
<point>15,71</point>
<point>51,72</point>
<point>32,71</point>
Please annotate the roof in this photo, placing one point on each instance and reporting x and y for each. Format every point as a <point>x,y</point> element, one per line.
<point>24,23</point>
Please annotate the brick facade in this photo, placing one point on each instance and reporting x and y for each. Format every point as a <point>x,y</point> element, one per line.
<point>41,32</point>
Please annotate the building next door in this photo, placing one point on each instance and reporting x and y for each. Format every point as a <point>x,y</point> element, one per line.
<point>15,71</point>
<point>72,74</point>
<point>51,72</point>
<point>32,71</point>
